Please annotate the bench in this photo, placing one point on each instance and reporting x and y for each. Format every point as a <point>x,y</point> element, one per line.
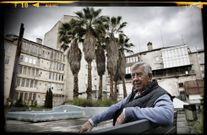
<point>136,127</point>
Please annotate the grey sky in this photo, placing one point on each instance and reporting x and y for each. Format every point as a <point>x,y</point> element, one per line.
<point>163,26</point>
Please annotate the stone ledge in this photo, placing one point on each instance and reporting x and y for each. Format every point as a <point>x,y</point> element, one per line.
<point>57,113</point>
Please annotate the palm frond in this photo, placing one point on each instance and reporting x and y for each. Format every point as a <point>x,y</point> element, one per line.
<point>122,26</point>
<point>79,14</point>
<point>118,20</point>
<point>96,13</point>
<point>64,47</point>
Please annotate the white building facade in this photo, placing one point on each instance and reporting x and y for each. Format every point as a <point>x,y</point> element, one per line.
<point>172,66</point>
<point>39,68</point>
<point>51,39</point>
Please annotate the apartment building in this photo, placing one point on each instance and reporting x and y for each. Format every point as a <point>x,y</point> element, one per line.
<point>172,66</point>
<point>39,68</point>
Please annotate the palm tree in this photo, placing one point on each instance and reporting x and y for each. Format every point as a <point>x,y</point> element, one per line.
<point>70,33</point>
<point>100,52</point>
<point>100,63</point>
<point>121,71</point>
<point>114,27</point>
<point>89,19</point>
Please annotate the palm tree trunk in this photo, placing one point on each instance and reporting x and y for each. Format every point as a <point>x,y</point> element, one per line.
<point>115,91</point>
<point>100,88</point>
<point>75,87</point>
<point>111,88</point>
<point>124,87</point>
<point>89,89</point>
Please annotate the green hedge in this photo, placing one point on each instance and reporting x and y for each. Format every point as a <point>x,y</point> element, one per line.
<point>91,103</point>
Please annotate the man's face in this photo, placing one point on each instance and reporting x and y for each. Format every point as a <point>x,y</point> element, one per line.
<point>140,79</point>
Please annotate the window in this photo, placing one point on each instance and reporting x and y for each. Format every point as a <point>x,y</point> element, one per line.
<point>127,70</point>
<point>34,96</point>
<point>18,81</point>
<point>21,94</point>
<point>33,72</point>
<point>28,72</point>
<point>60,65</point>
<point>53,76</point>
<point>40,74</point>
<point>57,66</point>
<point>63,67</point>
<point>180,85</point>
<point>24,70</point>
<point>157,58</point>
<point>35,83</point>
<point>34,61</point>
<point>25,59</point>
<point>31,83</point>
<point>27,82</point>
<point>25,98</point>
<point>20,69</point>
<point>64,58</point>
<point>54,56</point>
<point>60,77</point>
<point>54,65</point>
<point>61,56</point>
<point>21,58</point>
<point>37,70</point>
<point>56,76</point>
<point>23,81</point>
<point>136,59</point>
<point>30,60</point>
<point>30,96</point>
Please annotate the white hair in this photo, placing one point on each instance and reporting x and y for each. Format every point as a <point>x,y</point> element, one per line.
<point>147,67</point>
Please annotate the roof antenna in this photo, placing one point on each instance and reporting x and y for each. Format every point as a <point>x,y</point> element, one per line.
<point>161,38</point>
<point>182,39</point>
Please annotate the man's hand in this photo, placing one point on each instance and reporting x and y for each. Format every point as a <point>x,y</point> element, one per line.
<point>120,119</point>
<point>86,127</point>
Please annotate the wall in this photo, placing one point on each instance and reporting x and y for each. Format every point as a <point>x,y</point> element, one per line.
<point>50,38</point>
<point>197,59</point>
<point>10,52</point>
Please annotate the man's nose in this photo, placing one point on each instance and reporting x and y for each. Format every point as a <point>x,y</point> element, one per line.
<point>136,77</point>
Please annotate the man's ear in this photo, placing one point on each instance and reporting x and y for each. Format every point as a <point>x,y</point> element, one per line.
<point>150,76</point>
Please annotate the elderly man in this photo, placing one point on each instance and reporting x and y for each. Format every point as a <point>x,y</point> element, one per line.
<point>146,101</point>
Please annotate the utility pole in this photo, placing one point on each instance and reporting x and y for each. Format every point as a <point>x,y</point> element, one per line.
<point>16,62</point>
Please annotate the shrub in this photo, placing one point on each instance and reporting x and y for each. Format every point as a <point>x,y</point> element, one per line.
<point>197,128</point>
<point>91,103</point>
<point>20,102</point>
<point>81,102</point>
<point>49,99</point>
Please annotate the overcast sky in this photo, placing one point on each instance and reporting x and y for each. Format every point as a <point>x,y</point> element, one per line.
<point>163,26</point>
